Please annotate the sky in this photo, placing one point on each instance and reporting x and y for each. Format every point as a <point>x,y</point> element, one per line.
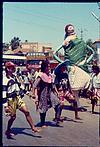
<point>45,22</point>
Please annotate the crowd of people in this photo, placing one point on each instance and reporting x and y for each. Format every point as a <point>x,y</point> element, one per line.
<point>48,87</point>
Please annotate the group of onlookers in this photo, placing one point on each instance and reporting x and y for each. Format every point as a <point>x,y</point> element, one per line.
<point>49,90</point>
<point>46,94</point>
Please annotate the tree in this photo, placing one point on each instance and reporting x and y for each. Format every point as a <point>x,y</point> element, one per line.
<point>15,43</point>
<point>5,46</point>
<point>26,41</point>
<point>90,43</point>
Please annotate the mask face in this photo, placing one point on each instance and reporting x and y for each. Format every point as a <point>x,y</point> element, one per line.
<point>70,29</point>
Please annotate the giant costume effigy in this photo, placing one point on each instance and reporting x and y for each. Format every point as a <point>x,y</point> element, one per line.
<point>76,53</point>
<point>77,57</point>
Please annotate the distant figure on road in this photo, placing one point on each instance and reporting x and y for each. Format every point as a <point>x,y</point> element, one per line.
<point>14,101</point>
<point>95,86</point>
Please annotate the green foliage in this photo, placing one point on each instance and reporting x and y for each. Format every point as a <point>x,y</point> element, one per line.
<point>15,43</point>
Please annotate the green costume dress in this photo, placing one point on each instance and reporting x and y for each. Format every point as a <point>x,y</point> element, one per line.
<point>76,53</point>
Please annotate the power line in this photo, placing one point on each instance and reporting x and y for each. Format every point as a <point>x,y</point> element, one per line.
<point>30,23</point>
<point>82,31</point>
<point>39,15</point>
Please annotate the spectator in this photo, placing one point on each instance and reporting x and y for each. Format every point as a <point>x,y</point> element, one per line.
<point>64,90</point>
<point>95,86</point>
<point>14,101</point>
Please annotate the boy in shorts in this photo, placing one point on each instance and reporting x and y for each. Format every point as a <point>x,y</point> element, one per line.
<point>14,100</point>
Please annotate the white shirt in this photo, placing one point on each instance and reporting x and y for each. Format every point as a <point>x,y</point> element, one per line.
<point>96,81</point>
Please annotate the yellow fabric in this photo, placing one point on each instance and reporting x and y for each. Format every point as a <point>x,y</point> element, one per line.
<point>69,38</point>
<point>14,104</point>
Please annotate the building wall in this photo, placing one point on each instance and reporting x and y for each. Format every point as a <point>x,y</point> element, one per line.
<point>97,42</point>
<point>34,47</point>
<point>30,48</point>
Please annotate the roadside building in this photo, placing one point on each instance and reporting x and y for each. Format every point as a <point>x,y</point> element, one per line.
<point>30,54</point>
<point>97,44</point>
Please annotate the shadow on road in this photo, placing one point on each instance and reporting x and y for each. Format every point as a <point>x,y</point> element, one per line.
<point>53,124</point>
<point>97,113</point>
<point>21,131</point>
<point>69,119</point>
<point>82,109</point>
<point>10,137</point>
<point>67,107</point>
<point>48,123</point>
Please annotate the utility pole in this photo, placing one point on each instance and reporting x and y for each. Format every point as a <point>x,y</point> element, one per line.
<point>81,31</point>
<point>98,19</point>
<point>98,43</point>
<point>98,4</point>
<point>81,34</point>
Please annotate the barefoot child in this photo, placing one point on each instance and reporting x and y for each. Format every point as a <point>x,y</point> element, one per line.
<point>14,100</point>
